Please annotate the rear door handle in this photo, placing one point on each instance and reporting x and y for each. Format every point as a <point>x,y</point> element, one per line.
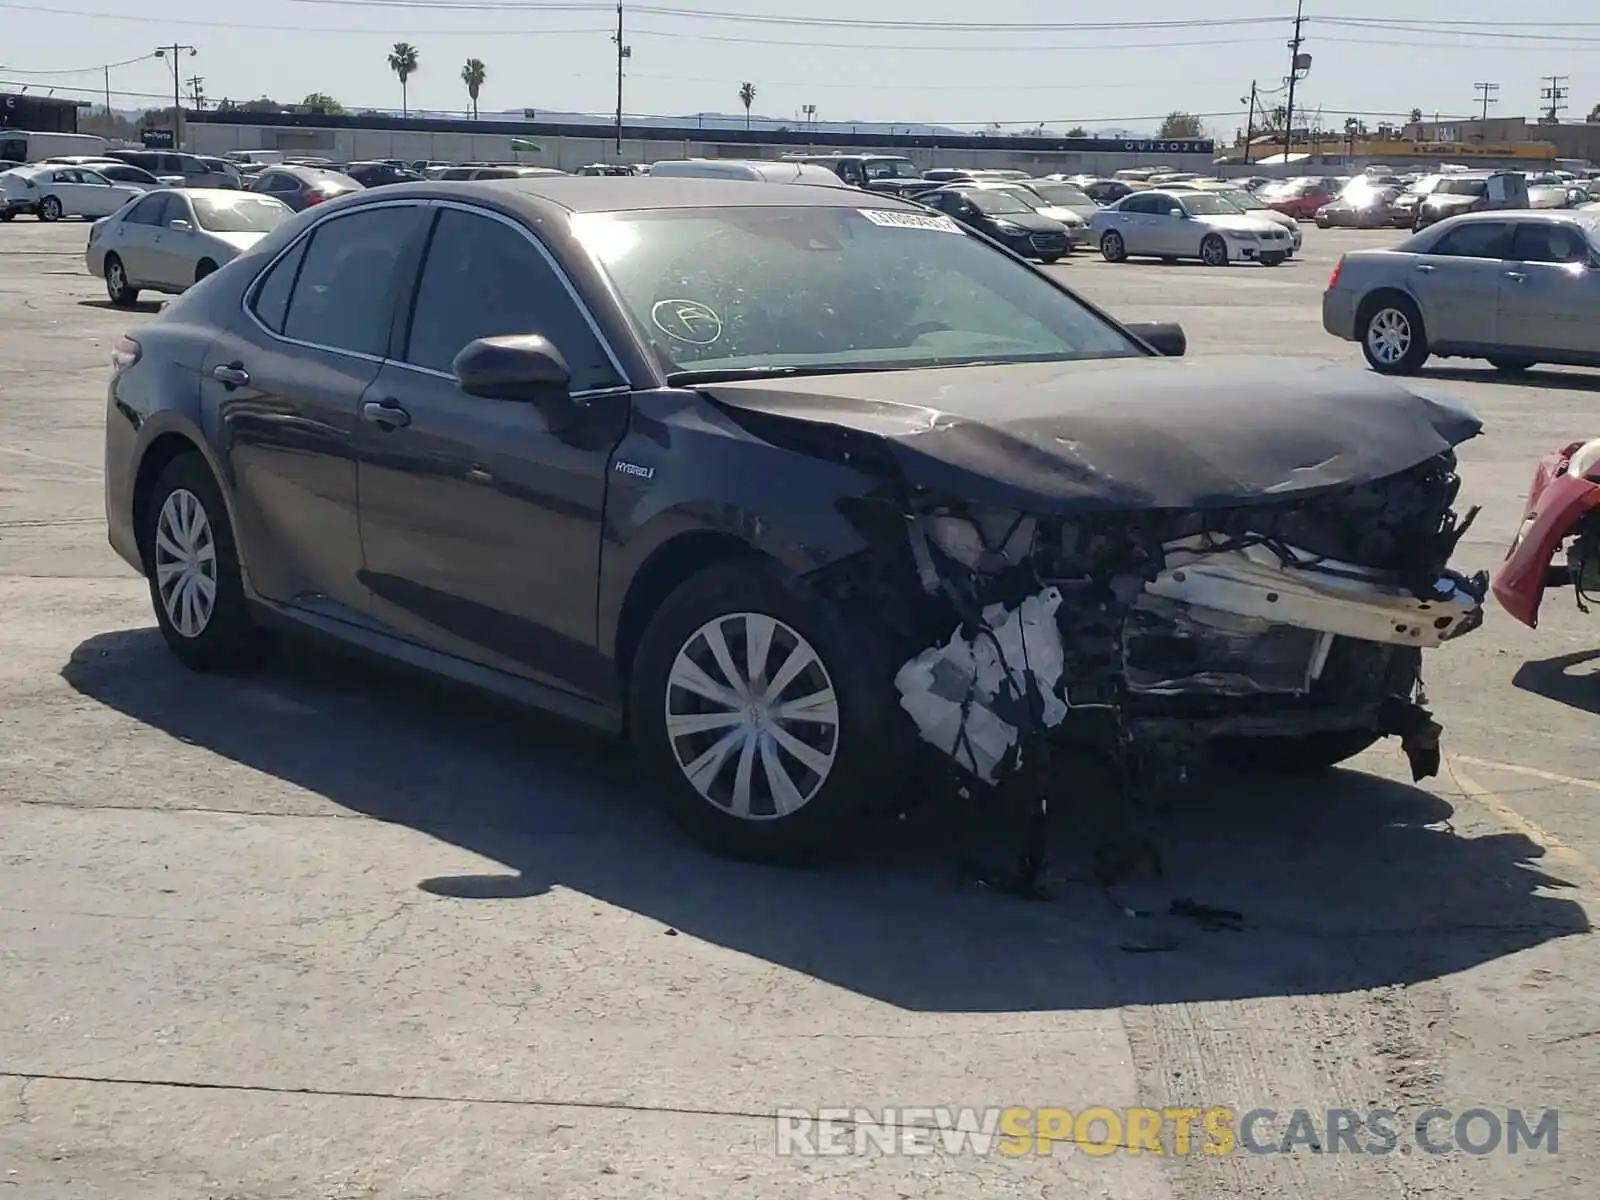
<point>1424,268</point>
<point>1516,275</point>
<point>386,413</point>
<point>231,375</point>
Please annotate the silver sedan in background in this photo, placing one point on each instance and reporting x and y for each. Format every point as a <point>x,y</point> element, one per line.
<point>173,238</point>
<point>1516,287</point>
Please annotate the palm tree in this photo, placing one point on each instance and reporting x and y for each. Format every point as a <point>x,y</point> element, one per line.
<point>747,97</point>
<point>473,75</point>
<point>403,62</point>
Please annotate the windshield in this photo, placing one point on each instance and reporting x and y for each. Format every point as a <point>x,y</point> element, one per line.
<point>996,202</point>
<point>1424,185</point>
<point>1203,204</point>
<point>749,291</point>
<point>1063,194</point>
<point>891,168</point>
<point>239,212</point>
<point>1461,187</point>
<point>1242,200</point>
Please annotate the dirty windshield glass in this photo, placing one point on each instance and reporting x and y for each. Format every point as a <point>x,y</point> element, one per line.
<point>892,168</point>
<point>758,290</point>
<point>1203,204</point>
<point>1461,187</point>
<point>240,213</point>
<point>1063,194</point>
<point>996,202</point>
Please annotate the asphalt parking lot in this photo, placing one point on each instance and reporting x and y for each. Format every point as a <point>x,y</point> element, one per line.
<point>331,933</point>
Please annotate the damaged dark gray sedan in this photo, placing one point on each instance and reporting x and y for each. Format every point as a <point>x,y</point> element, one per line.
<point>803,487</point>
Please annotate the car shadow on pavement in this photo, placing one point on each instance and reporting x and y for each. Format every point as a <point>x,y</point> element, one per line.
<point>139,306</point>
<point>1575,379</point>
<point>1348,882</point>
<point>1555,679</point>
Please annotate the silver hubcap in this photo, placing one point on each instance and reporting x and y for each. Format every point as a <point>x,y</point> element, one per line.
<point>1112,246</point>
<point>752,716</point>
<point>186,563</point>
<point>114,280</point>
<point>1213,254</point>
<point>1389,335</point>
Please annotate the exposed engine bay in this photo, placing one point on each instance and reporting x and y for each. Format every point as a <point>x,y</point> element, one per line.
<point>1148,636</point>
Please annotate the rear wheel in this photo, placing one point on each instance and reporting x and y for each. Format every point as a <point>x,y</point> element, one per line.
<point>205,268</point>
<point>760,714</point>
<point>1214,251</point>
<point>1112,248</point>
<point>8,215</point>
<point>1392,336</point>
<point>192,563</point>
<point>118,290</point>
<point>49,209</point>
<point>1510,366</point>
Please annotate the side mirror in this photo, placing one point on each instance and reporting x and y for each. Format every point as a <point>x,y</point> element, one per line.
<point>179,224</point>
<point>1166,338</point>
<point>1175,211</point>
<point>524,368</point>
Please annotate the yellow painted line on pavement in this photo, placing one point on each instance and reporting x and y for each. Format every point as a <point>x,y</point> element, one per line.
<point>1530,772</point>
<point>1507,815</point>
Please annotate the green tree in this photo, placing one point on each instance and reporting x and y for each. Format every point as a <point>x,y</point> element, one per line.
<point>1077,131</point>
<point>1416,116</point>
<point>321,102</point>
<point>1178,124</point>
<point>1594,114</point>
<point>473,75</point>
<point>747,97</point>
<point>261,105</point>
<point>403,62</point>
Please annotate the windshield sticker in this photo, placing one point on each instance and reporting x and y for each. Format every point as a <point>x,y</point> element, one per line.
<point>890,219</point>
<point>687,321</point>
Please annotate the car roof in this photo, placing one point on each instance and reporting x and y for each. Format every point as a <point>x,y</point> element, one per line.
<point>537,194</point>
<point>1526,214</point>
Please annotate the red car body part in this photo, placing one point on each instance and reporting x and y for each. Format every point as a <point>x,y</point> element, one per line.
<point>1566,488</point>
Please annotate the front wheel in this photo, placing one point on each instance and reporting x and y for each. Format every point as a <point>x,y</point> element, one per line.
<point>8,215</point>
<point>1392,337</point>
<point>1273,258</point>
<point>761,714</point>
<point>205,268</point>
<point>49,209</point>
<point>192,563</point>
<point>1214,251</point>
<point>1305,754</point>
<point>1048,259</point>
<point>1112,247</point>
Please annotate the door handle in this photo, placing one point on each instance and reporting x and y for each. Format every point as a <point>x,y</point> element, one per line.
<point>386,413</point>
<point>1424,269</point>
<point>231,375</point>
<point>1517,275</point>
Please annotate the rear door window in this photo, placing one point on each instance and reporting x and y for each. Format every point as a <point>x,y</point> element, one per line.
<point>343,298</point>
<point>1549,242</point>
<point>149,211</point>
<point>271,303</point>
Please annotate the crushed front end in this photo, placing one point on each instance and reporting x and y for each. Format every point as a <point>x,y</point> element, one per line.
<point>1160,637</point>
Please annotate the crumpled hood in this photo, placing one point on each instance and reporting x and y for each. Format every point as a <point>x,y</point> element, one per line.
<point>1131,433</point>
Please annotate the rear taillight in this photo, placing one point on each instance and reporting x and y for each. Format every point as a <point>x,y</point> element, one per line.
<point>1333,280</point>
<point>124,354</point>
<point>315,198</point>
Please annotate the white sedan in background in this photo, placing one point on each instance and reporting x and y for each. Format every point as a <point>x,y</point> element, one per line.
<point>1171,225</point>
<point>53,192</point>
<point>172,239</point>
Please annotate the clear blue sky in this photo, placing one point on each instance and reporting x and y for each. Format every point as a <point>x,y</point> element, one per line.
<point>1428,53</point>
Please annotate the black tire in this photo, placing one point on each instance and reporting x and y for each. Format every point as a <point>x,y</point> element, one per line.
<point>49,209</point>
<point>8,215</point>
<point>203,268</point>
<point>1511,366</point>
<point>863,764</point>
<point>1048,259</point>
<point>1112,248</point>
<point>1307,754</point>
<point>1273,258</point>
<point>118,290</point>
<point>1213,251</point>
<point>228,639</point>
<point>1407,350</point>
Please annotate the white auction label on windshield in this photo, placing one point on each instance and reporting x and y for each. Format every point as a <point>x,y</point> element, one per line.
<point>904,220</point>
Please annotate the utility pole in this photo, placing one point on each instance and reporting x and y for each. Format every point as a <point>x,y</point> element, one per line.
<point>1295,67</point>
<point>107,70</point>
<point>1250,123</point>
<point>624,52</point>
<point>171,53</point>
<point>1554,94</point>
<point>196,93</point>
<point>1486,96</point>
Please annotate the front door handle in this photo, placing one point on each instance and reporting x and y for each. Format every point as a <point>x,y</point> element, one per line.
<point>1518,276</point>
<point>1425,268</point>
<point>231,375</point>
<point>386,413</point>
